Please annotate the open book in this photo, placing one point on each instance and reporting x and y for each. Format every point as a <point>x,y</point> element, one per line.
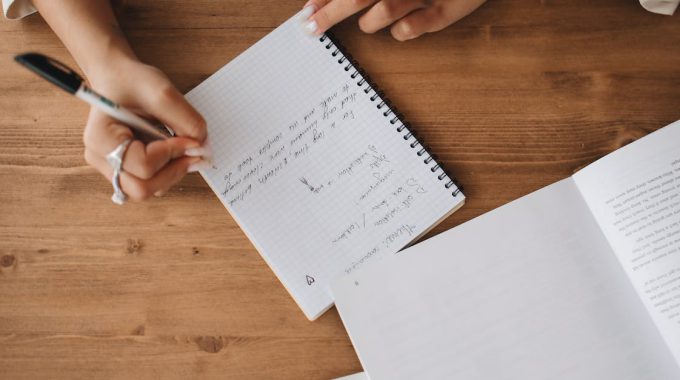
<point>315,165</point>
<point>579,280</point>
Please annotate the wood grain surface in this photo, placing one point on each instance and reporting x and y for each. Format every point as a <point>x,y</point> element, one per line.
<point>518,95</point>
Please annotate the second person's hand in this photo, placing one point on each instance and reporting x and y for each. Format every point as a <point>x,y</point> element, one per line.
<point>408,18</point>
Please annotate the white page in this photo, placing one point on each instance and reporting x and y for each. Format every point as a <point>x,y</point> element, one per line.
<point>314,173</point>
<point>528,291</point>
<point>356,376</point>
<point>634,194</point>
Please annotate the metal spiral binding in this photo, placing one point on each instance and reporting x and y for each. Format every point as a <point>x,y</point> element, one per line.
<point>390,112</point>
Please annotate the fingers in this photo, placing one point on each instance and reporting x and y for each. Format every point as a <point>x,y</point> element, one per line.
<point>411,26</point>
<point>168,105</point>
<point>144,161</point>
<point>103,135</point>
<point>139,189</point>
<point>316,5</point>
<point>386,12</point>
<point>333,12</point>
<point>409,18</point>
<point>433,18</point>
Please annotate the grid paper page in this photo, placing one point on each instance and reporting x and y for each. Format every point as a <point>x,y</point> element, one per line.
<point>310,168</point>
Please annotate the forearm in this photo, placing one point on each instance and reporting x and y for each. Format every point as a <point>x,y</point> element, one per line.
<point>89,30</point>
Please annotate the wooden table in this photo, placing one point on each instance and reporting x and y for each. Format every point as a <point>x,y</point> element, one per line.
<point>516,96</point>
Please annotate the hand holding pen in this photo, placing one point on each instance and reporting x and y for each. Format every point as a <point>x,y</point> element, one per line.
<point>140,158</point>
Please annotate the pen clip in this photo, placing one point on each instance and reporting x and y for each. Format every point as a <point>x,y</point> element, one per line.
<point>52,70</point>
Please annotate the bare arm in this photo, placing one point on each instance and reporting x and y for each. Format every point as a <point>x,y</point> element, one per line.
<point>89,30</point>
<point>91,33</point>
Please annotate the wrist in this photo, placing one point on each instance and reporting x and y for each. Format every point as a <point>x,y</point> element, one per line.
<point>90,32</point>
<point>106,50</point>
<point>104,68</point>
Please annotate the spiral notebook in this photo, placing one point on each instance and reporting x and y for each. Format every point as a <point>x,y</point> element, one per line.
<point>315,165</point>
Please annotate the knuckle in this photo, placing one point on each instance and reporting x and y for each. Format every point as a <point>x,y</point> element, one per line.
<point>438,10</point>
<point>322,18</point>
<point>145,170</point>
<point>390,9</point>
<point>360,3</point>
<point>198,127</point>
<point>164,94</point>
<point>139,191</point>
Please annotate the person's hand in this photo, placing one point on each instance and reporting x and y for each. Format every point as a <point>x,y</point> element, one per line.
<point>91,33</point>
<point>155,167</point>
<point>408,18</point>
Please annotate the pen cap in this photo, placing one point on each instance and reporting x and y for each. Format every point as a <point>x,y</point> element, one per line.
<point>52,70</point>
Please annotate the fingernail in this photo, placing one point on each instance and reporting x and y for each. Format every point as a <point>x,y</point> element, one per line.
<point>307,11</point>
<point>201,151</point>
<point>197,166</point>
<point>311,27</point>
<point>159,193</point>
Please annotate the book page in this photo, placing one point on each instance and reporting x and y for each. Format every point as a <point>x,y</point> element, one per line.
<point>314,172</point>
<point>634,194</point>
<point>528,291</point>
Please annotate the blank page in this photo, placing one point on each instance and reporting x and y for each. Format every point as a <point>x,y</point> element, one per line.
<point>356,376</point>
<point>529,291</point>
<point>313,171</point>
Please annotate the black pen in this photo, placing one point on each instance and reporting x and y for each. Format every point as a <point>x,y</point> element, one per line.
<point>68,80</point>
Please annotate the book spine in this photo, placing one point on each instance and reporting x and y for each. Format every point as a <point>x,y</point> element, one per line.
<point>395,118</point>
